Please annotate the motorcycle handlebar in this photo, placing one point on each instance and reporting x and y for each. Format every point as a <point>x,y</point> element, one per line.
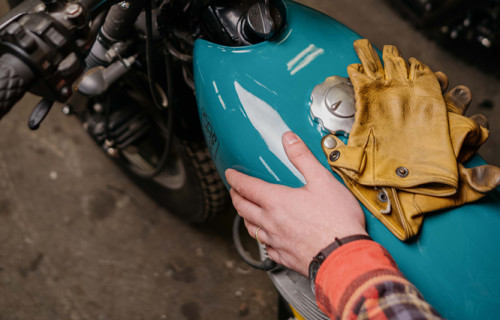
<point>15,78</point>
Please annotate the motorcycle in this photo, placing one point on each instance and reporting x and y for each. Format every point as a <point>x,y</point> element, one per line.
<point>178,91</point>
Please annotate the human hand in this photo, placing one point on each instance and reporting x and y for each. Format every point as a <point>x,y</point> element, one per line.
<point>296,223</point>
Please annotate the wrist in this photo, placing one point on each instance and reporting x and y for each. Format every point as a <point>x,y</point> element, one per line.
<point>317,260</point>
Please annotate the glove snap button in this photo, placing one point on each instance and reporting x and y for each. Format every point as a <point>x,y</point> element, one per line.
<point>334,156</point>
<point>330,142</point>
<point>382,197</point>
<point>402,172</point>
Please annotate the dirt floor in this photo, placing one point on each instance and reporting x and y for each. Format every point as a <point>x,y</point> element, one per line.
<point>79,241</point>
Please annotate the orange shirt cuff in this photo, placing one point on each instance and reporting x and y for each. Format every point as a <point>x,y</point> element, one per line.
<point>346,269</point>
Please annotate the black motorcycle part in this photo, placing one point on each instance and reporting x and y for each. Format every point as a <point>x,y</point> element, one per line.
<point>132,131</point>
<point>120,20</point>
<point>284,310</point>
<point>49,43</point>
<point>116,30</point>
<point>120,130</point>
<point>258,24</point>
<point>15,77</point>
<point>266,264</point>
<point>98,79</point>
<point>200,196</point>
<point>241,23</point>
<point>187,124</point>
<point>39,113</point>
<point>149,61</point>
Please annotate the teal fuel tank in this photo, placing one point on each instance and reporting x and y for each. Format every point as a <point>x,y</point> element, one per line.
<point>249,96</point>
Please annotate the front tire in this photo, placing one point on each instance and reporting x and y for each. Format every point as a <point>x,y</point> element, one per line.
<point>188,186</point>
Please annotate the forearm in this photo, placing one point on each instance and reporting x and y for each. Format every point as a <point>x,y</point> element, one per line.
<point>360,279</point>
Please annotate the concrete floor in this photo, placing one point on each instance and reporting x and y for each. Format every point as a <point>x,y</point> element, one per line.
<point>79,241</point>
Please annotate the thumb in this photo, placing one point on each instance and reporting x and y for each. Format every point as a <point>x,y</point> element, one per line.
<point>443,80</point>
<point>458,99</point>
<point>482,179</point>
<point>302,158</point>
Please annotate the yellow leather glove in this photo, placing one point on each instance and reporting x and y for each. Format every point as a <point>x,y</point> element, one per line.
<point>467,134</point>
<point>381,203</point>
<point>403,212</point>
<point>400,137</point>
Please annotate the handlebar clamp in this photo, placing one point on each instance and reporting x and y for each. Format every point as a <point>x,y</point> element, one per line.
<point>49,42</point>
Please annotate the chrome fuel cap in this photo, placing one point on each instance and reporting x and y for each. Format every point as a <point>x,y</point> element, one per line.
<point>333,105</point>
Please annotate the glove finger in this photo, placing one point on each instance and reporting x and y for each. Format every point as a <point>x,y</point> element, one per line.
<point>395,66</point>
<point>481,120</point>
<point>357,75</point>
<point>369,59</point>
<point>458,99</point>
<point>467,135</point>
<point>482,179</point>
<point>417,69</point>
<point>443,80</point>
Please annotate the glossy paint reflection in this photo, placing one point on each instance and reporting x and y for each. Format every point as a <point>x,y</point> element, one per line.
<point>304,58</point>
<point>270,126</point>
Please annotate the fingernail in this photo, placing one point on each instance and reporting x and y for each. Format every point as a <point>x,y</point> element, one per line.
<point>290,137</point>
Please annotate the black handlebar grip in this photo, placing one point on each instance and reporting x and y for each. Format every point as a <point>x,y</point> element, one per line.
<point>15,78</point>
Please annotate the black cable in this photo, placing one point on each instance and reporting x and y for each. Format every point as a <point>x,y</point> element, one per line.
<point>149,57</point>
<point>166,131</point>
<point>266,265</point>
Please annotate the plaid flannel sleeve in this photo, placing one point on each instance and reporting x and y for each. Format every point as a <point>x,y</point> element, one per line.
<point>360,280</point>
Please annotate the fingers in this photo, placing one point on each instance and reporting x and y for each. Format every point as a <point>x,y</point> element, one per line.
<point>253,189</point>
<point>275,255</point>
<point>417,69</point>
<point>481,120</point>
<point>369,59</point>
<point>262,234</point>
<point>302,158</point>
<point>356,74</point>
<point>482,179</point>
<point>395,66</point>
<point>247,209</point>
<point>458,99</point>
